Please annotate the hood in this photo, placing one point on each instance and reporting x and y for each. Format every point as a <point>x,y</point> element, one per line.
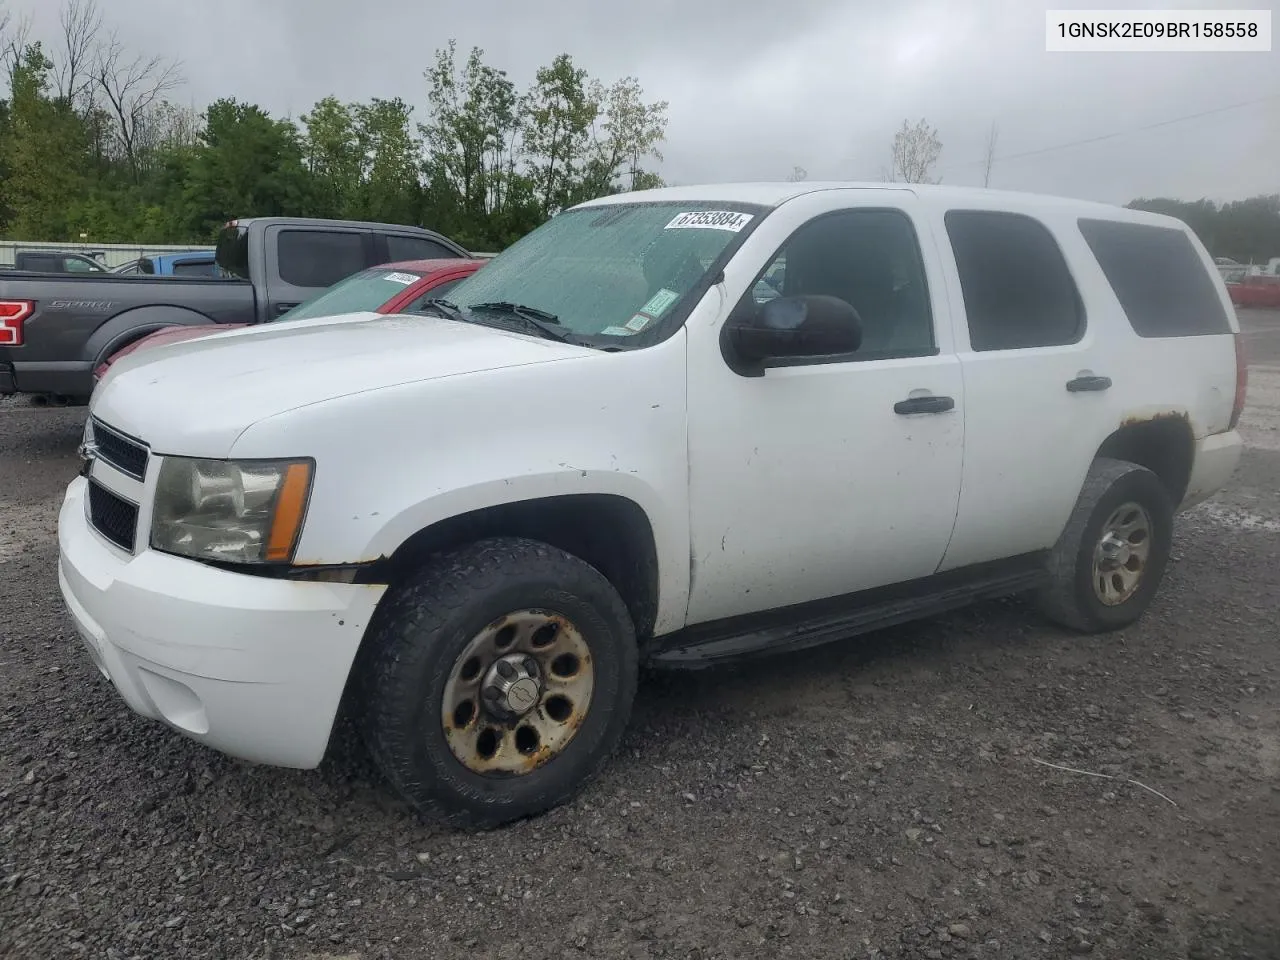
<point>166,335</point>
<point>195,397</point>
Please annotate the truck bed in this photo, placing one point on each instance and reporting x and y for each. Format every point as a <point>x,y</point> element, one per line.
<point>78,320</point>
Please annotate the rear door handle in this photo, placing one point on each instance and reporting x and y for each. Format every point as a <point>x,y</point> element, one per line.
<point>284,308</point>
<point>1088,384</point>
<point>924,405</point>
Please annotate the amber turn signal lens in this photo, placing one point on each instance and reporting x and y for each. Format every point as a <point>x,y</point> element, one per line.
<point>290,508</point>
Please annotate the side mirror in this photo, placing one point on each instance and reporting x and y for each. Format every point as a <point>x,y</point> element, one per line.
<point>789,327</point>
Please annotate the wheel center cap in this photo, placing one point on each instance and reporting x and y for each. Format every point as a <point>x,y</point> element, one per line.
<point>1115,552</point>
<point>522,695</point>
<point>513,686</point>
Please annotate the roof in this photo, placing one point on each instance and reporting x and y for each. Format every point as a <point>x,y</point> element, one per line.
<point>428,267</point>
<point>774,194</point>
<point>321,222</point>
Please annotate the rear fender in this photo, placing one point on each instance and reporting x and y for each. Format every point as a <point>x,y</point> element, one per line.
<point>130,325</point>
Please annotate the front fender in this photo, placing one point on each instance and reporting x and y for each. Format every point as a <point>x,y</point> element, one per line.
<point>394,461</point>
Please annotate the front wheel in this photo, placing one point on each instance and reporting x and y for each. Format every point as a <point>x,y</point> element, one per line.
<point>1109,561</point>
<point>498,682</point>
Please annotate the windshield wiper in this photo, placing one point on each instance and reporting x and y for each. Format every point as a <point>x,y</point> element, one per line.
<point>546,324</point>
<point>445,308</point>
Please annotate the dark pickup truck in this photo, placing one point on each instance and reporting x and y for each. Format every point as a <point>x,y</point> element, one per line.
<point>55,330</point>
<point>54,261</point>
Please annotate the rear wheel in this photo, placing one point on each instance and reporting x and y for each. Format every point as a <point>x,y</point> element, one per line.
<point>1110,559</point>
<point>498,682</point>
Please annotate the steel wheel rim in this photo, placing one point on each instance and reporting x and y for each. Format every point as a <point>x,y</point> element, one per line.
<point>1121,553</point>
<point>542,695</point>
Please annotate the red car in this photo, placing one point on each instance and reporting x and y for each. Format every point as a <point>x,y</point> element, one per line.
<point>1263,292</point>
<point>390,288</point>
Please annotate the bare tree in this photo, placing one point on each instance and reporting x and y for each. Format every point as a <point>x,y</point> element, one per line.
<point>14,38</point>
<point>992,135</point>
<point>916,149</point>
<point>81,23</point>
<point>797,174</point>
<point>166,125</point>
<point>132,85</point>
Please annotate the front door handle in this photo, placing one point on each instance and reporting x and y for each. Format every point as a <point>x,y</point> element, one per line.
<point>924,405</point>
<point>1088,384</point>
<point>282,308</point>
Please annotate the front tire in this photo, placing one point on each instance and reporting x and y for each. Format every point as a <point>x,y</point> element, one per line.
<point>498,682</point>
<point>1109,562</point>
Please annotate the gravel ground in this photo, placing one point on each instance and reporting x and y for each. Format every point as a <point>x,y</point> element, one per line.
<point>880,799</point>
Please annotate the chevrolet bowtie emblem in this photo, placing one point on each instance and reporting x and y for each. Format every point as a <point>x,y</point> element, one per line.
<point>87,453</point>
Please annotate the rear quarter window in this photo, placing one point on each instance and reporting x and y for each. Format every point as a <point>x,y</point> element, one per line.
<point>1158,277</point>
<point>400,247</point>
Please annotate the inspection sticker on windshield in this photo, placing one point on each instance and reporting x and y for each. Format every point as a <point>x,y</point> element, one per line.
<point>660,302</point>
<point>639,322</point>
<point>616,332</point>
<point>710,220</point>
<point>404,278</point>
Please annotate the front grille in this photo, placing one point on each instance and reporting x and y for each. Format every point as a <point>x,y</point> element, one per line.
<point>124,453</point>
<point>113,516</point>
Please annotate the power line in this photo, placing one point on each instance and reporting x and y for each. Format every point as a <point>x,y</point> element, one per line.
<point>1112,136</point>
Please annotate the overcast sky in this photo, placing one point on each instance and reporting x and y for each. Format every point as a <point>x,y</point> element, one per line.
<point>757,87</point>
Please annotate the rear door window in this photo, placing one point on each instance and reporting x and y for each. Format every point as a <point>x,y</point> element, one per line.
<point>1018,292</point>
<point>401,247</point>
<point>319,258</point>
<point>1162,284</point>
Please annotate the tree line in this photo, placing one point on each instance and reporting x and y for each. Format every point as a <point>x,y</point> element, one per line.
<point>94,144</point>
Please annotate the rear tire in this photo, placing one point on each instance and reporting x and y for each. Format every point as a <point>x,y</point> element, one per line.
<point>428,705</point>
<point>1106,567</point>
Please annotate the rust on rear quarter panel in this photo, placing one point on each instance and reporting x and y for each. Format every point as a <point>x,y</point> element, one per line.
<point>1134,419</point>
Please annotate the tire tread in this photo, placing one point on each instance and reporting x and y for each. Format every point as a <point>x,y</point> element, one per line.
<point>440,591</point>
<point>1058,599</point>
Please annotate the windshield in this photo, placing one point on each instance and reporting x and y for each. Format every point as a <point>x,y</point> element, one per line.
<point>610,271</point>
<point>367,290</point>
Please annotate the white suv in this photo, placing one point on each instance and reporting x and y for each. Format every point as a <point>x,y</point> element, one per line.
<point>617,445</point>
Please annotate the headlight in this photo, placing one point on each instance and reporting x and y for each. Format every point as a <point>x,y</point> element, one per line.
<point>237,512</point>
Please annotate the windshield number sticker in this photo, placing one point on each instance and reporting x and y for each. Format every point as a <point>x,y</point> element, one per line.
<point>710,220</point>
<point>660,302</point>
<point>401,278</point>
<point>639,322</point>
<point>616,332</point>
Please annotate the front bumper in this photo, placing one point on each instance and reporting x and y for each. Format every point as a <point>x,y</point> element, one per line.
<point>251,666</point>
<point>1216,459</point>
